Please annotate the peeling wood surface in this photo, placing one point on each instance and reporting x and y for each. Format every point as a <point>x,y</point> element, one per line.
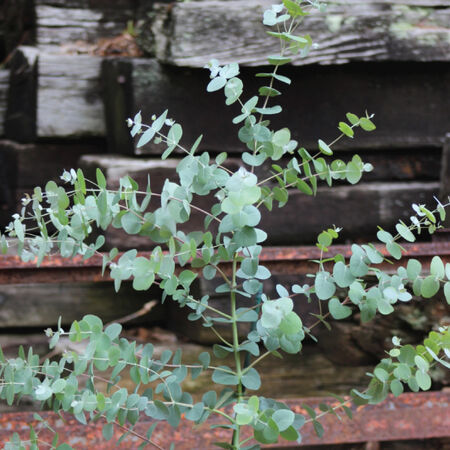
<point>192,33</point>
<point>61,25</point>
<point>69,98</point>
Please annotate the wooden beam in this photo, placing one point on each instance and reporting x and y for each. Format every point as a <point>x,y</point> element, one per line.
<point>69,99</point>
<point>316,102</point>
<point>192,33</point>
<point>61,24</point>
<point>40,305</point>
<point>30,165</point>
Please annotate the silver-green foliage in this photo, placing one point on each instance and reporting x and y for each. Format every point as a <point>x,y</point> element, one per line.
<point>74,213</point>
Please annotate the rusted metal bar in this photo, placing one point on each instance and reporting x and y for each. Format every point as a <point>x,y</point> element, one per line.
<point>411,416</point>
<point>281,260</point>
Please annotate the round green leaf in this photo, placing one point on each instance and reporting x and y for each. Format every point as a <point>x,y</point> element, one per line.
<point>283,418</point>
<point>421,363</point>
<point>381,374</point>
<point>324,148</point>
<point>131,223</point>
<point>437,267</point>
<point>430,287</point>
<point>324,239</point>
<point>251,379</point>
<point>384,306</point>
<point>337,310</point>
<point>324,285</point>
<point>216,83</point>
<point>396,387</point>
<point>402,372</point>
<point>342,275</point>
<point>352,118</point>
<point>405,232</point>
<point>346,129</point>
<point>367,124</point>
<point>291,324</point>
<point>447,292</point>
<point>221,377</point>
<point>413,269</point>
<point>58,385</point>
<point>394,249</point>
<point>423,380</point>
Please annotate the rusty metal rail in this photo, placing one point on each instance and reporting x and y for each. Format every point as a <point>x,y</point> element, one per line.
<point>410,416</point>
<point>281,260</point>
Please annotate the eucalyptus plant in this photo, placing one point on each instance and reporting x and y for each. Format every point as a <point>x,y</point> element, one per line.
<point>63,220</point>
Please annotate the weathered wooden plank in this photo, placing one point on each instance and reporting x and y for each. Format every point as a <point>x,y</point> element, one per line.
<point>69,99</point>
<point>30,165</point>
<point>40,305</point>
<point>4,85</point>
<point>192,33</point>
<point>57,25</point>
<point>20,117</point>
<point>100,5</point>
<point>358,209</point>
<point>410,102</point>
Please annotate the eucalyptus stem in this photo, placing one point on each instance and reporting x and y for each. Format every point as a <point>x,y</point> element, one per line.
<point>237,358</point>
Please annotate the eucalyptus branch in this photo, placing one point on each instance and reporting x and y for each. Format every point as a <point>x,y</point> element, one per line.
<point>275,326</point>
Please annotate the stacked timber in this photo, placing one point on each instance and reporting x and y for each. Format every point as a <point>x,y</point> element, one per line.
<point>64,103</point>
<point>192,33</point>
<point>62,23</point>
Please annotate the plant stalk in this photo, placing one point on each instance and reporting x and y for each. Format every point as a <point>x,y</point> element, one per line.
<point>236,432</point>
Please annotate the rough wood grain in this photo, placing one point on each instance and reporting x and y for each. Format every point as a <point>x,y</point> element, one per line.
<point>100,5</point>
<point>4,84</point>
<point>58,25</point>
<point>69,99</point>
<point>192,33</point>
<point>40,305</point>
<point>410,102</point>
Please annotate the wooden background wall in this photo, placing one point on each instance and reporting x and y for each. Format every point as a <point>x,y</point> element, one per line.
<point>71,77</point>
